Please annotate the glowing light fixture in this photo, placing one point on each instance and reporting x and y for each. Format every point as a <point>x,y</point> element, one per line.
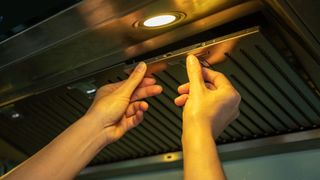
<point>159,20</point>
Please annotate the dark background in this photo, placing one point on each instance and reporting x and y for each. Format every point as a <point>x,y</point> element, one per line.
<point>17,15</point>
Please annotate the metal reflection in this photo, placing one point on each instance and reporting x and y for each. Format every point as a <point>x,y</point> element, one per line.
<point>209,53</point>
<point>83,39</point>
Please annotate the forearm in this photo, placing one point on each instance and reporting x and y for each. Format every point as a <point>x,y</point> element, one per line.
<point>201,160</point>
<point>65,156</point>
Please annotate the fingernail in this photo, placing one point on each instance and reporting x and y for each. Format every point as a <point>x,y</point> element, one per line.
<point>191,59</point>
<point>141,66</point>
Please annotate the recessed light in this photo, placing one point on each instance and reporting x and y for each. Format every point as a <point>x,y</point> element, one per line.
<point>160,20</point>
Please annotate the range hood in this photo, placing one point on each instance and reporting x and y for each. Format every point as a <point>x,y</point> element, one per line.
<point>95,35</point>
<point>48,86</point>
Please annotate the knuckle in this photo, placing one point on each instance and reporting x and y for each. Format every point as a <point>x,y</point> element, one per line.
<point>134,97</point>
<point>238,97</point>
<point>101,90</point>
<point>235,96</point>
<point>219,73</point>
<point>236,115</point>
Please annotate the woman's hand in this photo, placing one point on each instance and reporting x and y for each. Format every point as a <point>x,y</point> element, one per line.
<point>116,107</point>
<point>210,100</point>
<point>210,104</point>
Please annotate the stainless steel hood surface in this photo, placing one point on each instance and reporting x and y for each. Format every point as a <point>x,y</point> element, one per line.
<point>275,100</point>
<point>48,71</point>
<point>97,34</point>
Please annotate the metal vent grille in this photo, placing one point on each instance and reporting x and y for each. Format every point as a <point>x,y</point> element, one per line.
<point>275,100</point>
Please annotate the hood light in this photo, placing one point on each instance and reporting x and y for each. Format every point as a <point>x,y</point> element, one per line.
<point>160,20</point>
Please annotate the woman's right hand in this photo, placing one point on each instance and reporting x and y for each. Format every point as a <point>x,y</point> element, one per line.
<point>209,99</point>
<point>118,107</point>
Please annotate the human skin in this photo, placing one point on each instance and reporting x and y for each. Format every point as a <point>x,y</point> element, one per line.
<point>117,108</point>
<point>210,104</point>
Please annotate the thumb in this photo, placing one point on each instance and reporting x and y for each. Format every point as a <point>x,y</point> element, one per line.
<point>194,71</point>
<point>134,79</point>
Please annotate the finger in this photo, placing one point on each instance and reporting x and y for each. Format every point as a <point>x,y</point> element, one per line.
<point>132,121</point>
<point>218,79</point>
<point>210,86</point>
<point>181,100</point>
<point>136,106</point>
<point>156,67</point>
<point>147,81</point>
<point>134,80</point>
<point>194,73</point>
<point>184,88</point>
<point>145,92</point>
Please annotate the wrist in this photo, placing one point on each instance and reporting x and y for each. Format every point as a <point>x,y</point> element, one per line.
<point>193,132</point>
<point>94,130</point>
<point>195,125</point>
<point>91,122</point>
<point>197,141</point>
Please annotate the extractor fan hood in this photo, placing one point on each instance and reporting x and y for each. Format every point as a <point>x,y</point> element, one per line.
<point>275,100</point>
<point>48,78</point>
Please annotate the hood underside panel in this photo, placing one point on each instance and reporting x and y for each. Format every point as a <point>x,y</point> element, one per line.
<point>275,100</point>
